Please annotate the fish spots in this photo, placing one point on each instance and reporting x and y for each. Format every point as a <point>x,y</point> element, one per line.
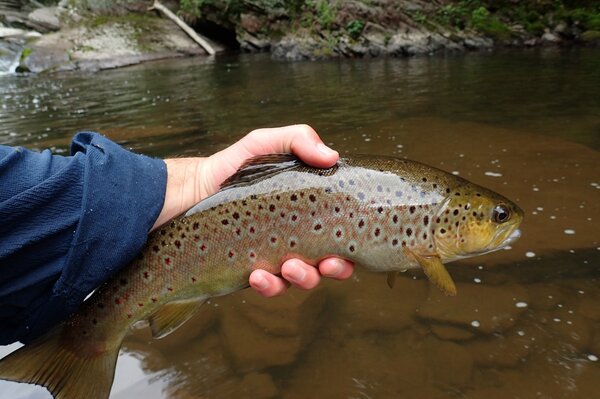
<point>338,233</point>
<point>395,219</point>
<point>118,301</point>
<point>252,230</point>
<point>377,233</point>
<point>426,220</point>
<point>409,232</point>
<point>292,242</point>
<point>154,299</point>
<point>272,208</point>
<point>352,246</point>
<point>293,198</point>
<point>195,226</point>
<point>361,225</point>
<point>312,198</point>
<point>123,281</point>
<point>177,244</point>
<point>317,227</point>
<point>230,255</point>
<point>455,213</point>
<point>273,241</point>
<point>168,262</point>
<point>412,209</point>
<point>293,218</point>
<point>155,248</point>
<point>224,222</point>
<point>252,255</point>
<point>235,216</point>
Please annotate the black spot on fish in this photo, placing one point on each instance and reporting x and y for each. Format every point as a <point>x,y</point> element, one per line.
<point>236,215</point>
<point>272,208</point>
<point>395,219</point>
<point>224,222</point>
<point>312,198</point>
<point>351,248</point>
<point>412,209</point>
<point>409,232</point>
<point>380,209</point>
<point>123,281</point>
<point>455,212</point>
<point>293,197</point>
<point>426,220</point>
<point>442,231</point>
<point>424,179</point>
<point>318,227</point>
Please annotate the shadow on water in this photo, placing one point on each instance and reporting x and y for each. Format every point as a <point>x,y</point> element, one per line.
<point>525,322</point>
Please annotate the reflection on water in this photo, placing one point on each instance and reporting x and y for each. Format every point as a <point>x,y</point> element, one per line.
<point>525,321</point>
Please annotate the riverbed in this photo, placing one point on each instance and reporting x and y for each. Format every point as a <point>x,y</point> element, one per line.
<point>525,322</point>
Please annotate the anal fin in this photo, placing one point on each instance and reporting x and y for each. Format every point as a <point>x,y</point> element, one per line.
<point>436,272</point>
<point>170,316</point>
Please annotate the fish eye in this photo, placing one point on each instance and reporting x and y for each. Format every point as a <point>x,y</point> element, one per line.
<point>501,213</point>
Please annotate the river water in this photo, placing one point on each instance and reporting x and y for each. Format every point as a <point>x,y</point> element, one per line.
<point>525,323</point>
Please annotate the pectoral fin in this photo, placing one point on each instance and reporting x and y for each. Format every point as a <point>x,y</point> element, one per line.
<point>170,316</point>
<point>437,273</point>
<point>391,279</point>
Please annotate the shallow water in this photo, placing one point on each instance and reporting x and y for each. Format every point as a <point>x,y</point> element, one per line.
<point>526,320</point>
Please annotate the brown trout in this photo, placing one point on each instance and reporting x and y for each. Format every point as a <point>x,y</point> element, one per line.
<point>385,214</point>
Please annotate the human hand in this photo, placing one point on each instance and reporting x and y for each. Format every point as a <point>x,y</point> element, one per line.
<point>192,179</point>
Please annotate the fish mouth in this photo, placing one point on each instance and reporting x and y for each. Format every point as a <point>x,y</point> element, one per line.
<point>514,236</point>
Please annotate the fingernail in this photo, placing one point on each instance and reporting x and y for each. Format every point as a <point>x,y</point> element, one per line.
<point>297,274</point>
<point>260,282</point>
<point>323,149</point>
<point>336,268</point>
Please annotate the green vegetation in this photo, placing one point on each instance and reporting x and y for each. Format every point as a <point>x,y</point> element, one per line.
<point>355,28</point>
<point>26,53</point>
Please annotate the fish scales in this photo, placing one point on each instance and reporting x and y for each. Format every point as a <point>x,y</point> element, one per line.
<point>385,214</point>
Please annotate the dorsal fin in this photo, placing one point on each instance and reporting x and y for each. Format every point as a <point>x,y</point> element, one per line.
<point>261,167</point>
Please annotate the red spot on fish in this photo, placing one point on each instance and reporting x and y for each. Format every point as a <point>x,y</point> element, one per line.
<point>252,255</point>
<point>394,242</point>
<point>338,233</point>
<point>203,247</point>
<point>146,275</point>
<point>167,261</point>
<point>318,227</point>
<point>117,301</point>
<point>273,240</point>
<point>231,254</point>
<point>252,230</point>
<point>294,218</point>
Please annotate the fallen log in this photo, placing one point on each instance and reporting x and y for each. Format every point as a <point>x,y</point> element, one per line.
<point>185,27</point>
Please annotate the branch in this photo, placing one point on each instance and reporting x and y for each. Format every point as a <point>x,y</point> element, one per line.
<point>185,27</point>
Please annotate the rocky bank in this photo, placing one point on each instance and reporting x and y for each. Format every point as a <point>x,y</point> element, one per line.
<point>85,35</point>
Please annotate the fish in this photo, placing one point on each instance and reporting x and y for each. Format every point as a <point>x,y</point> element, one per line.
<point>383,213</point>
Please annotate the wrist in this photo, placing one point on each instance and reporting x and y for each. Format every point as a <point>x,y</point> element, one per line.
<point>183,188</point>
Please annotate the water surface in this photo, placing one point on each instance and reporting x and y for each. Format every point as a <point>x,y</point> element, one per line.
<point>524,123</point>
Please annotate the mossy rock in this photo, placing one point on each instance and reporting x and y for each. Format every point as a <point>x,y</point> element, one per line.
<point>591,36</point>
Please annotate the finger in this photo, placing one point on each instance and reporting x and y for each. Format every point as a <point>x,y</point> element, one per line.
<point>336,268</point>
<point>300,140</point>
<point>300,274</point>
<point>267,284</point>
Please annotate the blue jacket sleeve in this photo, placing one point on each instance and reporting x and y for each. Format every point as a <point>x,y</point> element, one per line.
<point>67,224</point>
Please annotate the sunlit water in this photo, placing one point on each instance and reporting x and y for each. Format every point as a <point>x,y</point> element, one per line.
<point>525,323</point>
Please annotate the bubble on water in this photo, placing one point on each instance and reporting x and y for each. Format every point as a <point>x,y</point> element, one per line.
<point>521,333</point>
<point>581,292</point>
<point>521,305</point>
<point>477,280</point>
<point>530,254</point>
<point>592,358</point>
<point>556,320</point>
<point>480,267</point>
<point>367,139</point>
<point>455,172</point>
<point>493,174</point>
<point>475,323</point>
<point>399,146</point>
<point>536,189</point>
<point>461,155</point>
<point>534,213</point>
<point>539,208</point>
<point>507,247</point>
<point>552,217</point>
<point>569,231</point>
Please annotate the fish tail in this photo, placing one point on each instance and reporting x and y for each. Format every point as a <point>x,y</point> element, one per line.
<point>68,374</point>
